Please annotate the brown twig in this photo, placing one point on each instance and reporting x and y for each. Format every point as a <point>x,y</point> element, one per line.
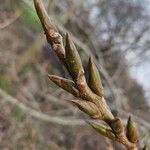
<point>94,103</point>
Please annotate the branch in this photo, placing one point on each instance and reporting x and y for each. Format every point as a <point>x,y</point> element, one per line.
<point>94,103</point>
<point>88,52</point>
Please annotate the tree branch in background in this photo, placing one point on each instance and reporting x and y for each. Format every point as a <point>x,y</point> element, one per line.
<point>39,115</point>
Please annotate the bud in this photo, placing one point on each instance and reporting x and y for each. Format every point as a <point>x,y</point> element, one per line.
<point>102,130</point>
<point>94,79</point>
<point>131,131</point>
<point>73,59</point>
<point>116,125</point>
<point>87,107</point>
<point>66,84</point>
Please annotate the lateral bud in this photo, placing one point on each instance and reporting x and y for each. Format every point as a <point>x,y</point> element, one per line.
<point>102,129</point>
<point>131,131</point>
<point>116,125</point>
<point>66,84</point>
<point>88,107</point>
<point>94,82</point>
<point>73,59</point>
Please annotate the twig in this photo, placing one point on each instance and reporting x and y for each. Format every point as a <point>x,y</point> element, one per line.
<point>87,51</point>
<point>93,102</point>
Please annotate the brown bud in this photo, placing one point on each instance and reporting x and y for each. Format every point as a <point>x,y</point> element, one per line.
<point>131,131</point>
<point>102,129</point>
<point>87,107</point>
<point>95,83</point>
<point>66,84</point>
<point>116,125</point>
<point>73,59</point>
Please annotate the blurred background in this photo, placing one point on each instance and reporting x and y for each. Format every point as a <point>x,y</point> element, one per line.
<point>35,114</point>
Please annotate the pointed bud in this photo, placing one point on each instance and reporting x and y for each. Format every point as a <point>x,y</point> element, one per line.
<point>87,107</point>
<point>73,59</point>
<point>94,79</point>
<point>102,129</point>
<point>116,125</point>
<point>131,131</point>
<point>66,84</point>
